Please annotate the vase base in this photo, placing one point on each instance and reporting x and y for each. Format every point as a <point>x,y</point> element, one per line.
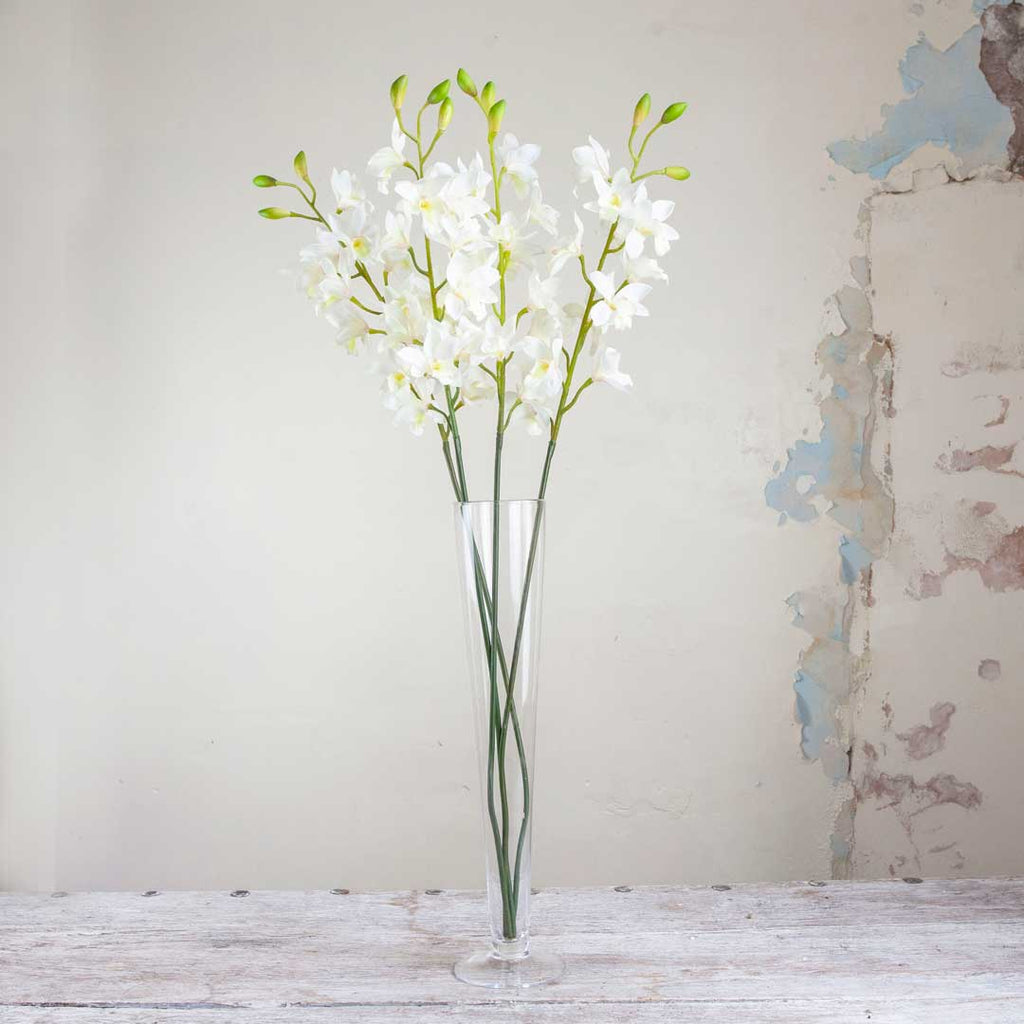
<point>489,970</point>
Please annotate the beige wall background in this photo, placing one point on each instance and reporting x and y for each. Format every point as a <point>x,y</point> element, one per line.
<point>230,641</point>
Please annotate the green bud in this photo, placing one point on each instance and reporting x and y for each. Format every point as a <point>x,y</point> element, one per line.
<point>444,114</point>
<point>398,91</point>
<point>487,95</point>
<point>641,110</point>
<point>672,112</point>
<point>495,116</point>
<point>264,181</point>
<point>466,84</point>
<point>677,173</point>
<point>300,167</point>
<point>274,213</point>
<point>440,92</point>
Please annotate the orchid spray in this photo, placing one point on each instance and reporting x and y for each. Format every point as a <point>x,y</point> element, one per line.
<point>454,286</point>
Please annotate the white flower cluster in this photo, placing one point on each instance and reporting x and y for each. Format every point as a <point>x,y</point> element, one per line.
<point>450,290</point>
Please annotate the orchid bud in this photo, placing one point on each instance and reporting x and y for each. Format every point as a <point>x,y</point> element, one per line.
<point>641,110</point>
<point>398,92</point>
<point>466,84</point>
<point>444,115</point>
<point>274,213</point>
<point>494,118</point>
<point>487,95</point>
<point>676,173</point>
<point>672,112</point>
<point>264,181</point>
<point>300,167</point>
<point>439,92</point>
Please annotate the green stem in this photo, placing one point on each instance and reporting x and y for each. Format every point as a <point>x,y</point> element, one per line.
<point>498,733</point>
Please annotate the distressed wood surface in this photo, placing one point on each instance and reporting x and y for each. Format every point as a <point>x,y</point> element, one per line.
<point>893,952</point>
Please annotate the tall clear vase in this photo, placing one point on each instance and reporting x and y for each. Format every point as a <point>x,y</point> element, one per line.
<point>501,560</point>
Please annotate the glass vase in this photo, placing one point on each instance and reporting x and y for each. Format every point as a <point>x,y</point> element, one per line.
<point>501,558</point>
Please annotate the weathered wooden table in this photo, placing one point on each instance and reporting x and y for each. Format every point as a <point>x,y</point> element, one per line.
<point>896,951</point>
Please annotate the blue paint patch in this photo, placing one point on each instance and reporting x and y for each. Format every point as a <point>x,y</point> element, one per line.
<point>841,848</point>
<point>839,392</point>
<point>805,459</point>
<point>854,558</point>
<point>980,6</point>
<point>950,104</point>
<point>814,712</point>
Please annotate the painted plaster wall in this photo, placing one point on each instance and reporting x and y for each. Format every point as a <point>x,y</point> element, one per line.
<point>916,463</point>
<point>936,761</point>
<point>211,675</point>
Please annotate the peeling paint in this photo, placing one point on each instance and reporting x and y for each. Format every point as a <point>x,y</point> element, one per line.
<point>1000,417</point>
<point>995,458</point>
<point>834,476</point>
<point>908,799</point>
<point>990,669</point>
<point>976,539</point>
<point>924,740</point>
<point>953,124</point>
<point>1002,63</point>
<point>949,104</point>
<point>1001,358</point>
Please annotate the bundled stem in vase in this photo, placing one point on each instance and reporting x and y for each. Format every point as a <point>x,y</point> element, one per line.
<point>455,298</point>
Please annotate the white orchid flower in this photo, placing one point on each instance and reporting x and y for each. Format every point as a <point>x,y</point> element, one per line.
<point>427,320</point>
<point>423,198</point>
<point>643,268</point>
<point>435,358</point>
<point>352,329</point>
<point>310,274</point>
<point>414,412</point>
<point>386,161</point>
<point>476,385</point>
<point>518,161</point>
<point>647,220</point>
<point>614,197</point>
<point>348,193</point>
<point>326,246</point>
<point>357,234</point>
<point>534,417</point>
<point>543,381</point>
<point>539,213</point>
<point>465,191</point>
<point>591,160</point>
<point>407,311</point>
<point>395,242</point>
<point>499,340</point>
<point>332,288</point>
<point>542,293</point>
<point>472,282</point>
<point>511,234</point>
<point>608,371</point>
<point>617,306</point>
<point>570,249</point>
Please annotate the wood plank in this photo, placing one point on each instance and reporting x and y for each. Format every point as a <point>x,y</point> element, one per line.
<point>818,1011</point>
<point>879,950</point>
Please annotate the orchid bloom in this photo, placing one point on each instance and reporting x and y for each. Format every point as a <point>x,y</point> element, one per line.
<point>386,161</point>
<point>518,161</point>
<point>618,306</point>
<point>455,286</point>
<point>608,371</point>
<point>647,220</point>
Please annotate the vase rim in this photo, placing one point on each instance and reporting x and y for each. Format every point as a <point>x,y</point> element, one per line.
<point>501,501</point>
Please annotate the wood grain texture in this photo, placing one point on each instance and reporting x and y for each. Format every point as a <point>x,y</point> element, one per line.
<point>843,951</point>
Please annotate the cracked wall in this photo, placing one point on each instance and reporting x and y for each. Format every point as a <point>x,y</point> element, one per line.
<point>902,694</point>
